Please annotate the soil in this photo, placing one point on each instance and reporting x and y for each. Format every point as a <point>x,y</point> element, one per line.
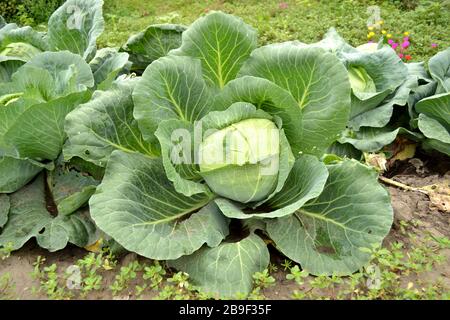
<point>409,206</point>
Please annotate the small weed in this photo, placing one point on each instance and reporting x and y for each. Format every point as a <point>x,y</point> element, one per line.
<point>263,279</point>
<point>140,290</point>
<point>89,268</point>
<point>297,275</point>
<point>51,284</point>
<point>286,264</point>
<point>256,294</point>
<point>382,278</point>
<point>6,287</point>
<point>5,251</point>
<point>166,293</point>
<point>273,268</point>
<point>155,274</point>
<point>443,242</point>
<point>126,275</point>
<point>178,288</point>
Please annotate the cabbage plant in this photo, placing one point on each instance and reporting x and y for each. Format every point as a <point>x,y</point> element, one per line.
<point>384,92</point>
<point>152,43</point>
<point>216,151</point>
<point>33,107</point>
<point>32,112</point>
<point>44,76</point>
<point>431,115</point>
<point>74,27</point>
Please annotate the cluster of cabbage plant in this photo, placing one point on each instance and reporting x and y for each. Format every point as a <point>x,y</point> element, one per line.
<point>210,150</point>
<point>387,94</point>
<point>43,77</point>
<point>217,148</point>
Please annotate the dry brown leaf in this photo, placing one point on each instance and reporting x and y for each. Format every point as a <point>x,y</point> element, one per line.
<point>439,195</point>
<point>96,247</point>
<point>376,160</point>
<point>408,151</point>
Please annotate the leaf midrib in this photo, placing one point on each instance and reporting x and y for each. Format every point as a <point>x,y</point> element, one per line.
<point>327,220</point>
<point>174,217</point>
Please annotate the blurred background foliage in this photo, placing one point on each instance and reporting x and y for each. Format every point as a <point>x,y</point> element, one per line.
<point>28,12</point>
<point>426,21</point>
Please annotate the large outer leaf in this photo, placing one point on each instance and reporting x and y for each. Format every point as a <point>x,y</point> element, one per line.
<point>171,88</point>
<point>138,206</point>
<point>38,131</point>
<point>185,176</point>
<point>12,33</point>
<point>437,107</point>
<point>87,167</point>
<point>433,129</point>
<point>305,182</point>
<point>434,121</point>
<point>28,215</point>
<point>15,173</point>
<point>106,66</point>
<point>4,209</point>
<point>386,70</point>
<point>380,115</point>
<point>75,26</point>
<point>153,43</point>
<point>373,139</point>
<point>269,97</point>
<point>227,269</point>
<point>222,42</point>
<point>419,93</point>
<point>50,75</point>
<point>437,145</point>
<point>76,228</point>
<point>70,189</point>
<point>316,79</point>
<point>20,44</point>
<point>17,46</point>
<point>326,234</point>
<point>104,124</point>
<point>34,84</point>
<point>334,43</point>
<point>365,111</point>
<point>344,150</point>
<point>439,66</point>
<point>8,66</point>
<point>67,70</point>
<point>29,218</point>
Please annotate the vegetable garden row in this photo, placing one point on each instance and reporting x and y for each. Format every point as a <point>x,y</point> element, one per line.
<point>195,146</point>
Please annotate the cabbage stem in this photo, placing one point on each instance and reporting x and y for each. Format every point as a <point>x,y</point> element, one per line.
<point>401,185</point>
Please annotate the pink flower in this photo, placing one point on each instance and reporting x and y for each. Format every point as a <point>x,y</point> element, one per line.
<point>406,39</point>
<point>390,41</point>
<point>400,55</point>
<point>405,44</point>
<point>394,45</point>
<point>283,5</point>
<point>434,45</point>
